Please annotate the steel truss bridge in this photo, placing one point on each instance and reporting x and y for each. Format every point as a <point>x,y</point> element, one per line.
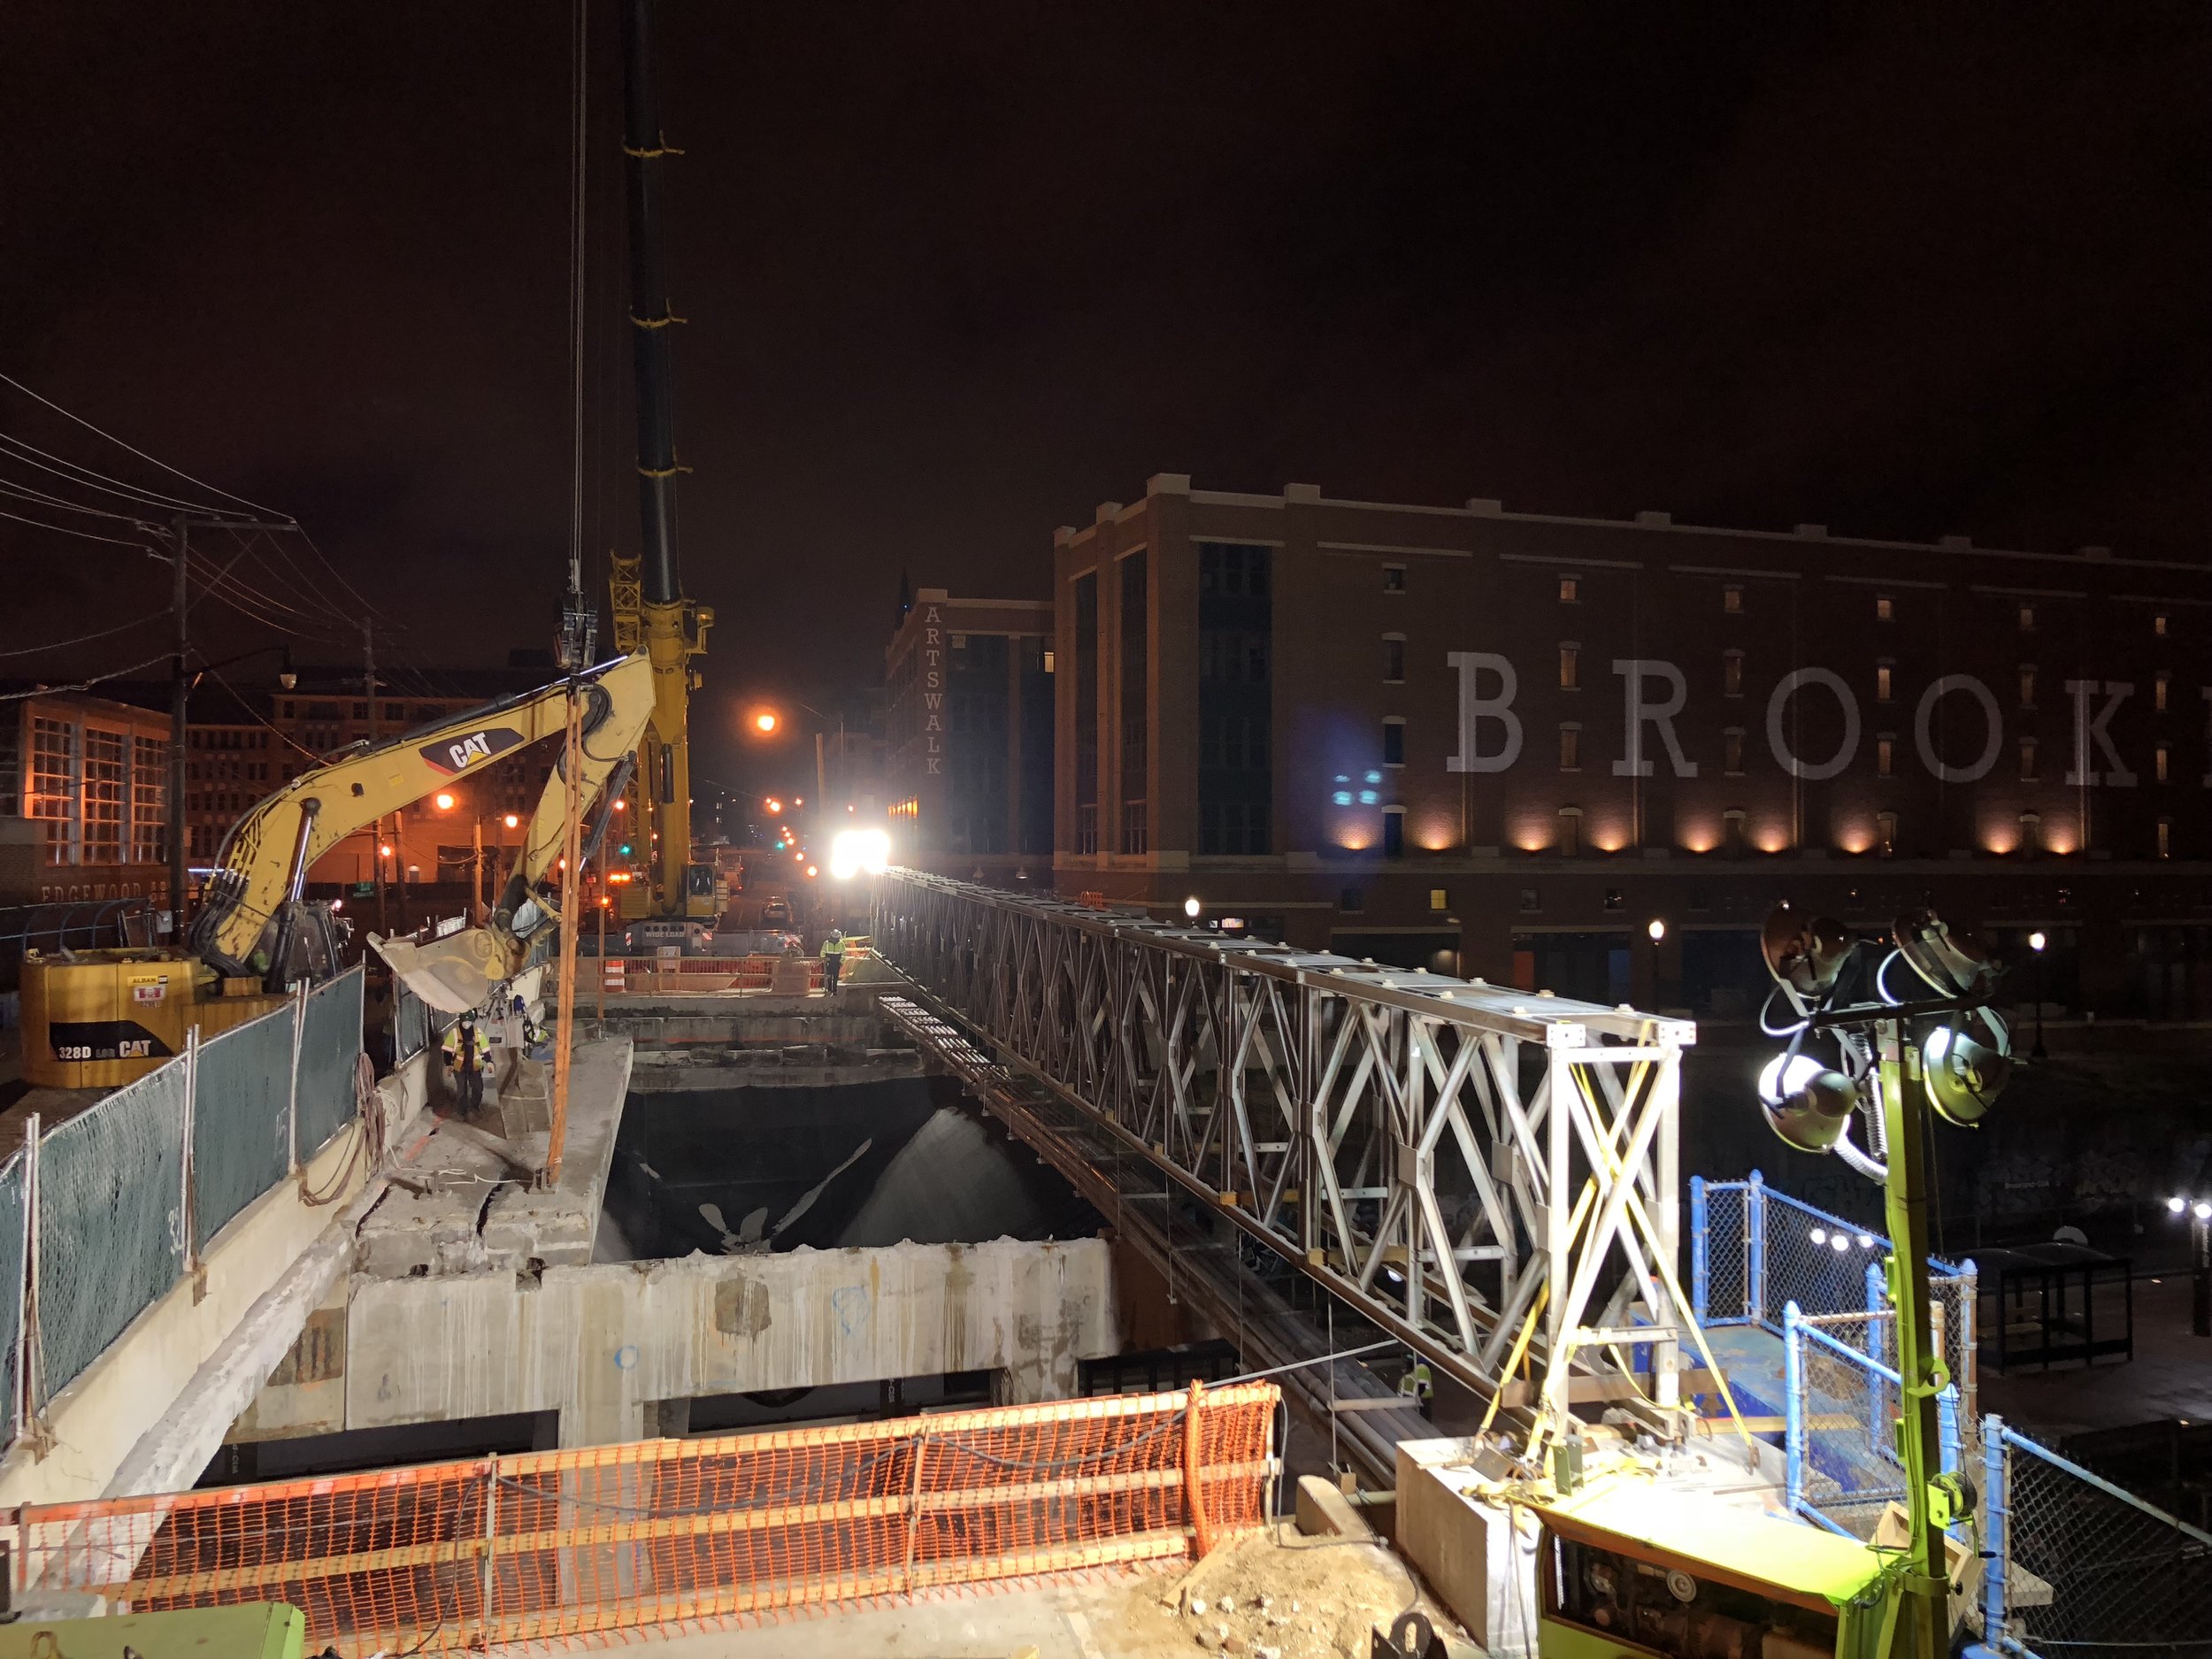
<point>1486,1175</point>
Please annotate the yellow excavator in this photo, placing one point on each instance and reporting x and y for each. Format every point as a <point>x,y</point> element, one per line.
<point>100,1018</point>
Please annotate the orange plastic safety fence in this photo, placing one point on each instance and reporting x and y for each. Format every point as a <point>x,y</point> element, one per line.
<point>553,1544</point>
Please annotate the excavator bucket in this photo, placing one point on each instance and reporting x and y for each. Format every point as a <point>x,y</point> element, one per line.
<point>453,974</point>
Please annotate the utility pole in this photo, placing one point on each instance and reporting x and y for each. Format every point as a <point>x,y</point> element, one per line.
<point>179,693</point>
<point>376,830</point>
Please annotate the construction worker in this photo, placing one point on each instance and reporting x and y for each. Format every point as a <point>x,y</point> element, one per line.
<point>468,1053</point>
<point>832,959</point>
<point>1419,1385</point>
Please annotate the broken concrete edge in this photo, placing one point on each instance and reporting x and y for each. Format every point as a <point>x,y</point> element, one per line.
<point>1324,1512</point>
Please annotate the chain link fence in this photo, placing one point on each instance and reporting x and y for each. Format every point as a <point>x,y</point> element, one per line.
<point>115,1227</point>
<point>1754,1250</point>
<point>2077,1564</point>
<point>241,1119</point>
<point>330,1048</point>
<point>14,1238</point>
<point>111,1220</point>
<point>1840,1446</point>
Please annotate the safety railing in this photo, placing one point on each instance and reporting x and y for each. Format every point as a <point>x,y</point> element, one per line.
<point>103,1214</point>
<point>2074,1563</point>
<point>1754,1250</point>
<point>1841,1405</point>
<point>476,1555</point>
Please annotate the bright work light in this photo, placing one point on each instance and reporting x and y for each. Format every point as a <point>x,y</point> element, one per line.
<point>853,851</point>
<point>1806,1103</point>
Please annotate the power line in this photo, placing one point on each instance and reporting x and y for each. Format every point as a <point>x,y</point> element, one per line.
<point>210,668</point>
<point>86,639</point>
<point>63,529</point>
<point>26,492</point>
<point>172,470</point>
<point>92,480</point>
<point>81,684</point>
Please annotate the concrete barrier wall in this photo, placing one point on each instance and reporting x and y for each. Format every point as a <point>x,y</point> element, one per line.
<point>598,1343</point>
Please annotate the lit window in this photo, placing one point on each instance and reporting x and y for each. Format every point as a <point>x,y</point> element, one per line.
<point>2027,686</point>
<point>1732,600</point>
<point>2158,624</point>
<point>1732,751</point>
<point>1393,578</point>
<point>1569,748</point>
<point>2027,618</point>
<point>1439,899</point>
<point>1885,608</point>
<point>2158,690</point>
<point>1394,656</point>
<point>2165,838</point>
<point>2161,760</point>
<point>1732,674</point>
<point>2027,760</point>
<point>1394,742</point>
<point>1569,661</point>
<point>1048,662</point>
<point>1885,833</point>
<point>1570,590</point>
<point>1570,840</point>
<point>1886,755</point>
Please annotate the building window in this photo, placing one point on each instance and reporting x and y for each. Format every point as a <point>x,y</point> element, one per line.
<point>150,800</point>
<point>1570,666</point>
<point>1733,838</point>
<point>53,794</point>
<point>1531,902</point>
<point>2162,761</point>
<point>1570,590</point>
<point>2030,834</point>
<point>2027,685</point>
<point>1393,832</point>
<point>1134,826</point>
<point>1393,578</point>
<point>2158,624</point>
<point>1882,682</point>
<point>1732,751</point>
<point>1350,900</point>
<point>1569,838</point>
<point>1086,827</point>
<point>103,796</point>
<point>1613,900</point>
<point>1394,742</point>
<point>2027,618</point>
<point>2158,690</point>
<point>2027,760</point>
<point>1394,657</point>
<point>1048,661</point>
<point>1732,599</point>
<point>1569,748</point>
<point>1884,756</point>
<point>1885,608</point>
<point>2165,838</point>
<point>1439,899</point>
<point>1732,673</point>
<point>1885,833</point>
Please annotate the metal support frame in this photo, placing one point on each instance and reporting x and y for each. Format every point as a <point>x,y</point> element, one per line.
<point>1449,1156</point>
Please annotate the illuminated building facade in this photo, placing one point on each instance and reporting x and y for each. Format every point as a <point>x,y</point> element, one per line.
<point>968,758</point>
<point>1508,743</point>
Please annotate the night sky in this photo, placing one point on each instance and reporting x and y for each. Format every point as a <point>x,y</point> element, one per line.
<point>956,273</point>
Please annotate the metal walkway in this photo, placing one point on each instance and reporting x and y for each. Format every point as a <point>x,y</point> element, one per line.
<point>1486,1176</point>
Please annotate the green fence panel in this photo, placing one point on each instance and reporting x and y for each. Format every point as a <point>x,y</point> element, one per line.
<point>12,1183</point>
<point>240,1129</point>
<point>330,1051</point>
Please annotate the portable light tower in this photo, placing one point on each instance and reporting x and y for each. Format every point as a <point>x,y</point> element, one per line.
<point>1898,1059</point>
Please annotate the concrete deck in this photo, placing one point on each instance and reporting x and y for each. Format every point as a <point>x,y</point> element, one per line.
<point>469,1209</point>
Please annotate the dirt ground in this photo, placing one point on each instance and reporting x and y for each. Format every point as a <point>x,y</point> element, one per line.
<point>1275,1595</point>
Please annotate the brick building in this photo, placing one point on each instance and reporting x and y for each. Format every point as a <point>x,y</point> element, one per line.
<point>1509,743</point>
<point>969,727</point>
<point>90,777</point>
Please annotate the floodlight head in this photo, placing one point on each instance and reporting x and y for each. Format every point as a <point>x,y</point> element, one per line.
<point>1806,1103</point>
<point>1803,952</point>
<point>1952,962</point>
<point>2176,1203</point>
<point>1967,1063</point>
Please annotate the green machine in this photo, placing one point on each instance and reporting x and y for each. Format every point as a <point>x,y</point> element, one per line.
<point>1622,1572</point>
<point>257,1630</point>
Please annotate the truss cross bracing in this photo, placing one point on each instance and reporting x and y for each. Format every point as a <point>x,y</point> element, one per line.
<point>1490,1174</point>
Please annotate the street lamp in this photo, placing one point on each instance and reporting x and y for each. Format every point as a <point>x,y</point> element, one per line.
<point>2198,1210</point>
<point>1657,929</point>
<point>443,800</point>
<point>1191,907</point>
<point>765,722</point>
<point>2036,941</point>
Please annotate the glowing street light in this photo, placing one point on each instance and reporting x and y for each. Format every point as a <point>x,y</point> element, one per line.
<point>765,722</point>
<point>1657,929</point>
<point>512,821</point>
<point>1191,907</point>
<point>443,800</point>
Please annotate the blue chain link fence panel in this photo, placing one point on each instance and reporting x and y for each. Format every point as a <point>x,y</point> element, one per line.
<point>330,1048</point>
<point>12,1175</point>
<point>241,1128</point>
<point>111,1224</point>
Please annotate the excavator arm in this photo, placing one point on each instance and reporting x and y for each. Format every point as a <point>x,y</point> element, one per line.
<point>264,860</point>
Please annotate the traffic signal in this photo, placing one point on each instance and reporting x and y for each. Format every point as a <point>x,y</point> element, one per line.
<point>625,849</point>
